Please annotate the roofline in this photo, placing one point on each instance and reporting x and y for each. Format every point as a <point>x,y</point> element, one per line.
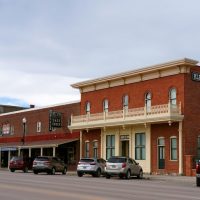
<point>136,72</point>
<point>39,108</point>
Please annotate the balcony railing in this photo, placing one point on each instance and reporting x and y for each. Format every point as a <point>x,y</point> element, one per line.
<point>157,113</point>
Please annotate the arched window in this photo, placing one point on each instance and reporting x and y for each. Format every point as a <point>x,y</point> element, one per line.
<point>172,96</point>
<point>125,102</point>
<point>105,105</point>
<point>148,101</point>
<point>87,107</point>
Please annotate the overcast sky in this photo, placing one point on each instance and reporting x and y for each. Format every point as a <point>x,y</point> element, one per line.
<point>46,45</point>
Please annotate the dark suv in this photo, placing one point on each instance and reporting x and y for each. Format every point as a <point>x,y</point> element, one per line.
<point>20,163</point>
<point>49,164</point>
<point>198,172</point>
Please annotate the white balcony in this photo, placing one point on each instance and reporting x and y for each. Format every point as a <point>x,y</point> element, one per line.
<point>156,114</point>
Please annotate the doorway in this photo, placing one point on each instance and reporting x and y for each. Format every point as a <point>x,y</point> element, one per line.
<point>125,148</point>
<point>161,153</point>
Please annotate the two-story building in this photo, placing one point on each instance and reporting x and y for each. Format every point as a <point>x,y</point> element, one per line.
<point>150,114</point>
<point>40,131</point>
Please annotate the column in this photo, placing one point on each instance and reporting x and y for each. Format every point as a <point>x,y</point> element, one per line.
<point>180,148</point>
<point>54,151</point>
<point>102,146</point>
<point>19,151</point>
<point>41,151</point>
<point>29,152</point>
<point>8,158</point>
<point>81,143</point>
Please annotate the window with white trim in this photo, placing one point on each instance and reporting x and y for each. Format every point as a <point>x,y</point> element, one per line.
<point>87,149</point>
<point>105,105</point>
<point>125,102</point>
<point>87,107</point>
<point>173,147</point>
<point>148,101</point>
<point>39,127</point>
<point>172,96</point>
<point>95,149</point>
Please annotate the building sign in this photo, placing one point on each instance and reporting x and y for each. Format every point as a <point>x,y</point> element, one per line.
<point>124,137</point>
<point>55,120</point>
<point>6,129</point>
<point>195,76</point>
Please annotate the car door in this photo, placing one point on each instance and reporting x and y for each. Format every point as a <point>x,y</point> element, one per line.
<point>131,166</point>
<point>136,167</point>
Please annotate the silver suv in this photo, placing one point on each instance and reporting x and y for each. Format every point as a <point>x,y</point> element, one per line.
<point>123,167</point>
<point>93,166</point>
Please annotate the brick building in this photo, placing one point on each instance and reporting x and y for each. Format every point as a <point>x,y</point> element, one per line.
<point>40,131</point>
<point>150,114</point>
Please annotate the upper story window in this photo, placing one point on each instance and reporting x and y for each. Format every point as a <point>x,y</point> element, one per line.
<point>125,102</point>
<point>39,127</point>
<point>172,96</point>
<point>87,107</point>
<point>105,105</point>
<point>148,101</point>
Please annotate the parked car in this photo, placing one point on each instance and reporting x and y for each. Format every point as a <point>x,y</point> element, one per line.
<point>198,172</point>
<point>20,163</point>
<point>49,164</point>
<point>123,167</point>
<point>93,166</point>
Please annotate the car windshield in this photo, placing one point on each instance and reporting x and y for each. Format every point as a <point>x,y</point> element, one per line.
<point>117,160</point>
<point>42,158</point>
<point>87,160</point>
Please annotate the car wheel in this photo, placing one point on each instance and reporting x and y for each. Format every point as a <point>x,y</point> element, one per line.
<point>98,173</point>
<point>198,181</point>
<point>79,174</point>
<point>25,170</point>
<point>12,170</point>
<point>128,174</point>
<point>53,171</point>
<point>140,175</point>
<point>107,176</point>
<point>64,171</point>
<point>35,172</point>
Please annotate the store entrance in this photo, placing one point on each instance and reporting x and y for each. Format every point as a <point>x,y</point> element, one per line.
<point>125,148</point>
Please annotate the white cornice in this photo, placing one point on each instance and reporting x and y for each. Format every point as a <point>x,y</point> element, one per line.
<point>135,73</point>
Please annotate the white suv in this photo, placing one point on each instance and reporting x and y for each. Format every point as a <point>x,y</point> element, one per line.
<point>93,166</point>
<point>123,167</point>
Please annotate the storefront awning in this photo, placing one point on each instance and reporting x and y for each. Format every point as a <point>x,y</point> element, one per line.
<point>35,144</point>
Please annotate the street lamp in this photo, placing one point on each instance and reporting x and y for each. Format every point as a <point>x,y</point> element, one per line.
<point>24,129</point>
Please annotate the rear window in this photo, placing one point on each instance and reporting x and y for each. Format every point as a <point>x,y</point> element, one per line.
<point>87,160</point>
<point>16,158</point>
<point>42,159</point>
<point>117,160</point>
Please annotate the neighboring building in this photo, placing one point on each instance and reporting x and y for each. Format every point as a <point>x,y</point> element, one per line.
<point>150,114</point>
<point>7,108</point>
<point>40,131</point>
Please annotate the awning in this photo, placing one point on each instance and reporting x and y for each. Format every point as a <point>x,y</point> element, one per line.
<point>35,144</point>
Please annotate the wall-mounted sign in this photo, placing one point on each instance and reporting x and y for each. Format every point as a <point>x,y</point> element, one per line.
<point>124,137</point>
<point>195,76</point>
<point>55,120</point>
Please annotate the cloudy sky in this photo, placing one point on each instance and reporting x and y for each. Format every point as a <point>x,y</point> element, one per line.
<point>46,45</point>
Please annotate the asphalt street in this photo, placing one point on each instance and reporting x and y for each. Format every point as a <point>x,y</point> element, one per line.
<point>22,186</point>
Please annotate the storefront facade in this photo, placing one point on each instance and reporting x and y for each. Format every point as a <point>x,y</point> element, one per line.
<point>40,132</point>
<point>150,114</point>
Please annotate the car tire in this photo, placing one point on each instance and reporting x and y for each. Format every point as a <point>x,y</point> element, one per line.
<point>107,176</point>
<point>12,170</point>
<point>64,171</point>
<point>79,174</point>
<point>35,172</point>
<point>140,175</point>
<point>53,171</point>
<point>98,173</point>
<point>128,174</point>
<point>198,181</point>
<point>25,170</point>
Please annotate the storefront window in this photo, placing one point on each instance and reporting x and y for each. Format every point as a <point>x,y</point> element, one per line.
<point>173,148</point>
<point>110,146</point>
<point>140,146</point>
